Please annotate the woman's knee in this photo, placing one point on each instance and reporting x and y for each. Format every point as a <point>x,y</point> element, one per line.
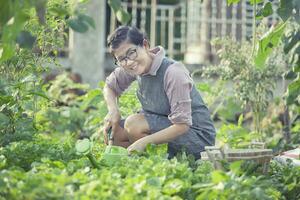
<point>136,124</point>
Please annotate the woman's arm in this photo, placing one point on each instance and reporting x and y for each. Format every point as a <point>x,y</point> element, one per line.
<point>113,116</point>
<point>162,136</point>
<point>111,99</point>
<point>116,83</point>
<point>167,134</point>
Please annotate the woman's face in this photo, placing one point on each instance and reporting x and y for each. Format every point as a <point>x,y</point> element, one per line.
<point>134,59</point>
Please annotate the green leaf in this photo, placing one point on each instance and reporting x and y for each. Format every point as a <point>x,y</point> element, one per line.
<point>3,161</point>
<point>81,23</point>
<point>173,186</point>
<point>291,40</point>
<point>58,11</point>
<point>241,119</point>
<point>229,2</point>
<point>230,109</point>
<point>87,19</point>
<point>7,51</point>
<point>290,75</point>
<point>204,87</point>
<point>154,181</point>
<point>115,4</point>
<point>83,146</point>
<point>6,12</point>
<point>4,120</point>
<point>121,14</point>
<point>25,39</point>
<point>77,25</point>
<point>92,98</point>
<point>266,45</point>
<point>39,93</point>
<point>293,91</point>
<point>154,149</point>
<point>236,166</point>
<point>255,1</point>
<point>10,33</point>
<point>218,176</point>
<point>265,11</point>
<point>295,58</point>
<point>285,10</point>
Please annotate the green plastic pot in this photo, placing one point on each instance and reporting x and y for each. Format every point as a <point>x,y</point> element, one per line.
<point>114,154</point>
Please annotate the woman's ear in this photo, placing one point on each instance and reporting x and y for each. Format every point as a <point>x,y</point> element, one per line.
<point>146,44</point>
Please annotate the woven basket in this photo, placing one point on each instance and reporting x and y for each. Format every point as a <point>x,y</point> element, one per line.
<point>217,154</point>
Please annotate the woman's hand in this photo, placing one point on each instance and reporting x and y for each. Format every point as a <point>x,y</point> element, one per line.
<point>138,145</point>
<point>112,120</point>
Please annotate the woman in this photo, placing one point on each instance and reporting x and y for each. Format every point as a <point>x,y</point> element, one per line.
<point>172,112</point>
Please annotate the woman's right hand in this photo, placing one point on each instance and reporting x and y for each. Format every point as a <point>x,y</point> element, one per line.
<point>111,120</point>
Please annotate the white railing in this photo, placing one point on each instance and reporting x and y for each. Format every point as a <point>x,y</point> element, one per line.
<point>190,22</point>
<point>159,22</point>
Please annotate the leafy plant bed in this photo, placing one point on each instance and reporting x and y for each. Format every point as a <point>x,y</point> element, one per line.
<point>52,173</point>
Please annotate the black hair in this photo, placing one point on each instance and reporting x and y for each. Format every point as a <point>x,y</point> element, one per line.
<point>126,33</point>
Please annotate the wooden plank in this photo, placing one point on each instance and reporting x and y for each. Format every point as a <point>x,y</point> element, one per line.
<point>134,13</point>
<point>213,19</point>
<point>243,22</point>
<point>234,22</point>
<point>143,15</point>
<point>223,18</point>
<point>163,27</point>
<point>171,33</point>
<point>153,23</point>
<point>113,21</point>
<point>182,27</point>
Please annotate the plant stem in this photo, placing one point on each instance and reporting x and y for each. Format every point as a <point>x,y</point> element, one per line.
<point>93,161</point>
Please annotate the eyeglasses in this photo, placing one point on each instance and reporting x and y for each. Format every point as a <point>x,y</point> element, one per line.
<point>130,55</point>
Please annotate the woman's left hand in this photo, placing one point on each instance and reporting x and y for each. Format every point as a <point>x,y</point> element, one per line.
<point>138,145</point>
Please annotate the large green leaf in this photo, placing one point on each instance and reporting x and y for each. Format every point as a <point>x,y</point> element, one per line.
<point>81,23</point>
<point>121,14</point>
<point>7,51</point>
<point>6,12</point>
<point>295,58</point>
<point>115,4</point>
<point>265,11</point>
<point>285,9</point>
<point>83,147</point>
<point>10,32</point>
<point>219,176</point>
<point>292,39</point>
<point>290,75</point>
<point>77,25</point>
<point>87,19</point>
<point>293,91</point>
<point>267,43</point>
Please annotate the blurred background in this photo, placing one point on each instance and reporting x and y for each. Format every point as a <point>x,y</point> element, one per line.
<point>185,28</point>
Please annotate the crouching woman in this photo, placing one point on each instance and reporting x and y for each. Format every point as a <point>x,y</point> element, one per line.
<point>172,111</point>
